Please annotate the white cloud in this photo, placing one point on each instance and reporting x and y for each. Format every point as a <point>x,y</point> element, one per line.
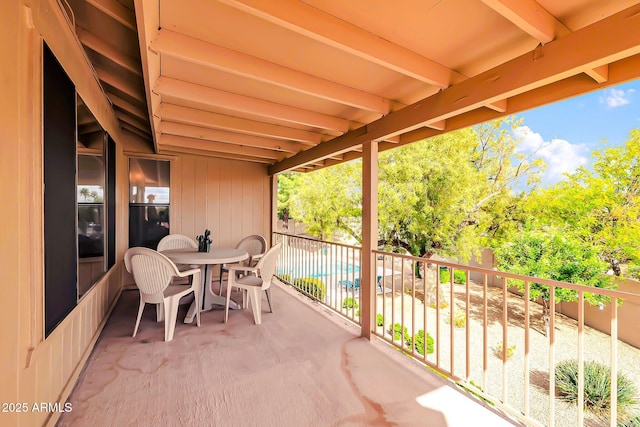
<point>613,98</point>
<point>560,155</point>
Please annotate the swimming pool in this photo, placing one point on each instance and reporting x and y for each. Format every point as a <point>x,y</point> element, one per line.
<point>345,270</point>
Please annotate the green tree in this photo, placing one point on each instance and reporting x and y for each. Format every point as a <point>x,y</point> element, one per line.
<point>555,254</point>
<point>453,193</point>
<point>287,184</point>
<point>329,200</point>
<point>600,205</point>
<point>449,194</point>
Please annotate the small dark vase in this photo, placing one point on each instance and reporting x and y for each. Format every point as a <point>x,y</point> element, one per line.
<point>204,242</point>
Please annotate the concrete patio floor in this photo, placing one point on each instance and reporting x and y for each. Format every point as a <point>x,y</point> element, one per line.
<point>304,366</point>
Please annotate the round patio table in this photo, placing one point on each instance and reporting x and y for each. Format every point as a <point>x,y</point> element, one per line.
<point>205,261</point>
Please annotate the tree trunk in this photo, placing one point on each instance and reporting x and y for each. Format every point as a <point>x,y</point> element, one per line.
<point>615,266</point>
<point>545,316</point>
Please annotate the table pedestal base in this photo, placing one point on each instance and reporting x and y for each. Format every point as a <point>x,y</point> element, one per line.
<point>211,300</point>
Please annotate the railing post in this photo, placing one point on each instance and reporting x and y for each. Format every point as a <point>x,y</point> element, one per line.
<point>369,236</point>
<point>273,180</point>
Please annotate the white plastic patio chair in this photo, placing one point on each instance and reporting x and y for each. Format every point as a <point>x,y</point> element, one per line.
<point>178,241</point>
<point>252,285</point>
<point>255,245</point>
<point>153,273</point>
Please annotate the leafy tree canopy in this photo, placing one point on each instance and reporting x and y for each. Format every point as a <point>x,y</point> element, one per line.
<point>601,206</point>
<point>454,192</point>
<point>555,254</point>
<point>287,184</point>
<point>448,194</point>
<point>328,200</point>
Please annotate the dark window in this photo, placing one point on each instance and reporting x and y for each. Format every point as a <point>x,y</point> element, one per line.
<point>91,218</point>
<point>111,202</point>
<point>79,195</point>
<point>148,201</point>
<point>60,232</point>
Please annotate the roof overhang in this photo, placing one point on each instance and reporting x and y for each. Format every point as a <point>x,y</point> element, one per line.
<point>300,85</point>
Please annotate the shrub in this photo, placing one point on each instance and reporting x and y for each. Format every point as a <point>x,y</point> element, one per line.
<point>419,344</point>
<point>285,277</point>
<point>497,351</point>
<point>459,276</point>
<point>312,286</point>
<point>459,319</point>
<point>634,272</point>
<point>597,388</point>
<point>350,303</point>
<point>445,275</point>
<point>398,331</point>
<point>379,319</point>
<point>443,304</point>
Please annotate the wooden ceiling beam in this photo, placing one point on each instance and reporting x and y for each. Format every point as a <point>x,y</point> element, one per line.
<point>438,125</point>
<point>94,140</point>
<point>132,121</point>
<point>128,107</point>
<point>117,11</point>
<point>93,126</point>
<point>599,74</point>
<point>531,18</point>
<point>231,101</point>
<point>202,144</point>
<point>346,157</point>
<point>167,149</point>
<point>84,117</point>
<point>101,47</point>
<point>191,116</point>
<point>622,71</point>
<point>142,134</point>
<point>499,106</point>
<point>197,132</point>
<point>611,39</point>
<point>220,58</point>
<point>119,84</point>
<point>148,21</point>
<point>311,22</point>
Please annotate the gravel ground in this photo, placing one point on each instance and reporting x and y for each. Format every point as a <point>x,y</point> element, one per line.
<point>597,346</point>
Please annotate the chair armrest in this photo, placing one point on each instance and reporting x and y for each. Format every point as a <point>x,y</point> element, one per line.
<point>188,272</point>
<point>238,267</point>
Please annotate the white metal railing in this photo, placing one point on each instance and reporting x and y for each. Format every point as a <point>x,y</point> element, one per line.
<point>475,328</point>
<point>327,272</point>
<point>477,325</point>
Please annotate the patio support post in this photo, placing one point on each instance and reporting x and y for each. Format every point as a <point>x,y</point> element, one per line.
<point>273,180</point>
<point>369,235</point>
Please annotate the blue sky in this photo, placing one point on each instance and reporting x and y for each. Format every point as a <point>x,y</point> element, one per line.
<point>565,134</point>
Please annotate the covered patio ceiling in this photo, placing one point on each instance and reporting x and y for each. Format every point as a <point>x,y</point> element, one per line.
<point>300,85</point>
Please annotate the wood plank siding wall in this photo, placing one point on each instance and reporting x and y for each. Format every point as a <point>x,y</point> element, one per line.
<point>35,370</point>
<point>230,198</point>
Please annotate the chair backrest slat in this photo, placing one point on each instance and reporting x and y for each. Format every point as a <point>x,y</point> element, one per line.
<point>253,245</point>
<point>267,265</point>
<point>151,270</point>
<point>176,241</point>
